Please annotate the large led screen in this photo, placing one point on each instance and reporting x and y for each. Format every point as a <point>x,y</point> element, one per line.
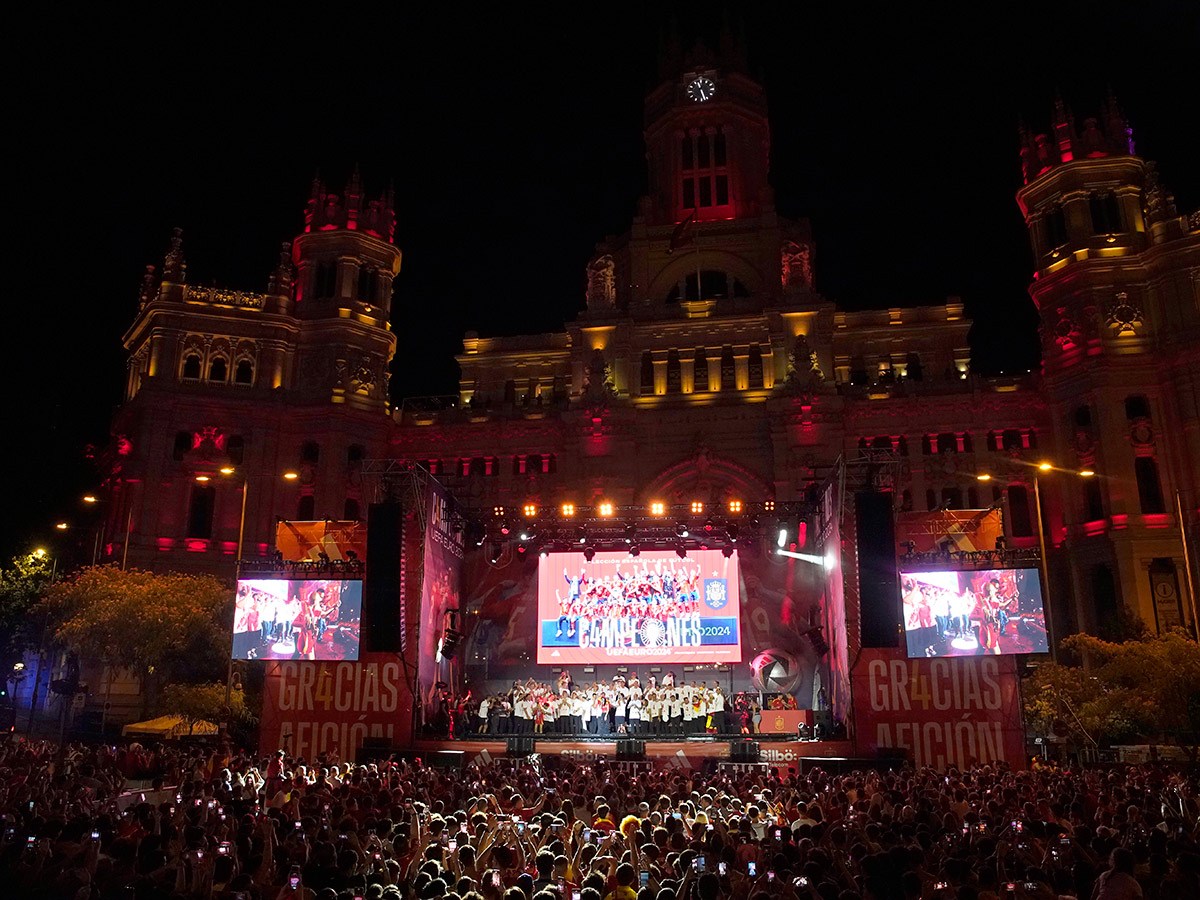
<point>973,613</point>
<point>275,618</point>
<point>655,607</point>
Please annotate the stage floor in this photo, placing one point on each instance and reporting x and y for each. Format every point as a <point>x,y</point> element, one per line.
<point>683,753</point>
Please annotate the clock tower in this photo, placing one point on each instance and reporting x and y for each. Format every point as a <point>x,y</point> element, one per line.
<point>707,143</point>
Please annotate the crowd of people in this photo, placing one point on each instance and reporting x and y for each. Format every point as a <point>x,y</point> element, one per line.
<point>622,706</point>
<point>214,823</point>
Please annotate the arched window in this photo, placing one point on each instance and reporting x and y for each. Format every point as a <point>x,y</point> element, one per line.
<point>510,391</point>
<point>183,443</point>
<point>952,498</point>
<point>1104,594</point>
<point>306,508</point>
<point>533,464</point>
<point>1011,439</point>
<point>325,281</point>
<point>245,372</point>
<point>1145,469</point>
<point>930,499</point>
<point>1106,213</point>
<point>1056,228</point>
<point>191,366</point>
<point>310,453</point>
<point>881,442</point>
<point>756,367</point>
<point>715,285</point>
<point>647,373</point>
<point>1137,407</point>
<point>350,510</point>
<point>218,369</point>
<point>947,443</point>
<point>355,454</point>
<point>968,443</point>
<point>700,369</point>
<point>902,446</point>
<point>366,285</point>
<point>906,501</point>
<point>1083,416</point>
<point>674,372</point>
<point>1018,511</point>
<point>972,497</point>
<point>1093,500</point>
<point>858,370</point>
<point>200,511</point>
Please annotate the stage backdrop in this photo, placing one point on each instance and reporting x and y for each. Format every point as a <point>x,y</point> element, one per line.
<point>940,712</point>
<point>441,587</point>
<point>310,707</point>
<point>308,540</point>
<point>779,598</point>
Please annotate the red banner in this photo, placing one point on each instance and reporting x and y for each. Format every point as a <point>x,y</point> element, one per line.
<point>311,707</point>
<point>940,712</point>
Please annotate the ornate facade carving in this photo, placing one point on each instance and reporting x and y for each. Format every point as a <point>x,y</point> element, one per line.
<point>601,283</point>
<point>1124,315</point>
<point>796,265</point>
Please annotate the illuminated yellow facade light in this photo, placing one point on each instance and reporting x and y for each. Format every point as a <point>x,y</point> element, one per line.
<point>984,477</point>
<point>1087,473</point>
<point>291,476</point>
<point>227,470</point>
<point>658,508</point>
<point>88,498</point>
<point>1045,467</point>
<point>61,526</point>
<point>202,478</point>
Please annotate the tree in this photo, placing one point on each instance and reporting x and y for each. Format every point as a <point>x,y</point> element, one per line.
<point>22,585</point>
<point>168,628</point>
<point>1137,690</point>
<point>204,703</point>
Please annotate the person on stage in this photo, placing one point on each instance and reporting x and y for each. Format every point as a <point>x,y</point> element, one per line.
<point>633,715</point>
<point>717,708</point>
<point>484,705</point>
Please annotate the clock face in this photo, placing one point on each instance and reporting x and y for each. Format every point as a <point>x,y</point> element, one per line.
<point>701,89</point>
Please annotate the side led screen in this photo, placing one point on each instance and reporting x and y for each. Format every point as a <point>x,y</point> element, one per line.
<point>275,618</point>
<point>971,613</point>
<point>654,607</point>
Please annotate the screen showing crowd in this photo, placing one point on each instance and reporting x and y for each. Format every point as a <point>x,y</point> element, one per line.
<point>969,613</point>
<point>275,618</point>
<point>655,606</point>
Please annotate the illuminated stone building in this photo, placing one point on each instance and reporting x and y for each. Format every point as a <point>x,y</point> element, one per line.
<point>706,367</point>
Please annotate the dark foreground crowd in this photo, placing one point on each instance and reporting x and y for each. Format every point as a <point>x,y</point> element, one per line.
<point>215,824</point>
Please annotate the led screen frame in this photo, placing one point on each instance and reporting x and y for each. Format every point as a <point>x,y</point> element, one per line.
<point>973,612</point>
<point>298,619</point>
<point>693,616</point>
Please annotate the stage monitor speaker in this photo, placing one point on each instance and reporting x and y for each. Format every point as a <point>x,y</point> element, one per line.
<point>382,591</point>
<point>878,592</point>
<point>447,759</point>
<point>521,745</point>
<point>631,750</point>
<point>743,752</point>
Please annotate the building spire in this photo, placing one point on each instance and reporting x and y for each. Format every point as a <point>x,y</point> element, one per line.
<point>174,266</point>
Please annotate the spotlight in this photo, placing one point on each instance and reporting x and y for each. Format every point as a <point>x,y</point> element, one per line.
<point>581,534</point>
<point>697,508</point>
<point>497,511</point>
<point>708,524</point>
<point>528,533</point>
<point>657,508</point>
<point>568,510</point>
<point>589,553</point>
<point>681,529</point>
<point>504,527</point>
<point>495,552</point>
<point>630,533</point>
<point>521,550</point>
<point>731,531</point>
<point>727,551</point>
<point>735,506</point>
<point>768,506</point>
<point>544,552</point>
<point>634,550</point>
<point>605,508</point>
<point>781,538</point>
<point>681,551</point>
<point>530,510</point>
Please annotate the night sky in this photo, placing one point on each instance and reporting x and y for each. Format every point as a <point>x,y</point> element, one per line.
<point>514,144</point>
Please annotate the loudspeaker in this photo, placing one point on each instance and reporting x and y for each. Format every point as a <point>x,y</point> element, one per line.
<point>743,751</point>
<point>878,593</point>
<point>520,745</point>
<point>631,750</point>
<point>382,591</point>
<point>448,759</point>
<point>823,723</point>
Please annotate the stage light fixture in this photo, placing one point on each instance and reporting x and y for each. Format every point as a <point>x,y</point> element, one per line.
<point>735,506</point>
<point>630,533</point>
<point>657,508</point>
<point>708,525</point>
<point>530,510</point>
<point>697,508</point>
<point>581,534</point>
<point>589,553</point>
<point>568,510</point>
<point>544,552</point>
<point>768,506</point>
<point>497,511</point>
<point>634,549</point>
<point>504,527</point>
<point>521,550</point>
<point>681,529</point>
<point>495,552</point>
<point>731,531</point>
<point>727,551</point>
<point>681,551</point>
<point>781,538</point>
<point>605,509</point>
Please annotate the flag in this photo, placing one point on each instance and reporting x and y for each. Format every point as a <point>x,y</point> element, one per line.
<point>683,233</point>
